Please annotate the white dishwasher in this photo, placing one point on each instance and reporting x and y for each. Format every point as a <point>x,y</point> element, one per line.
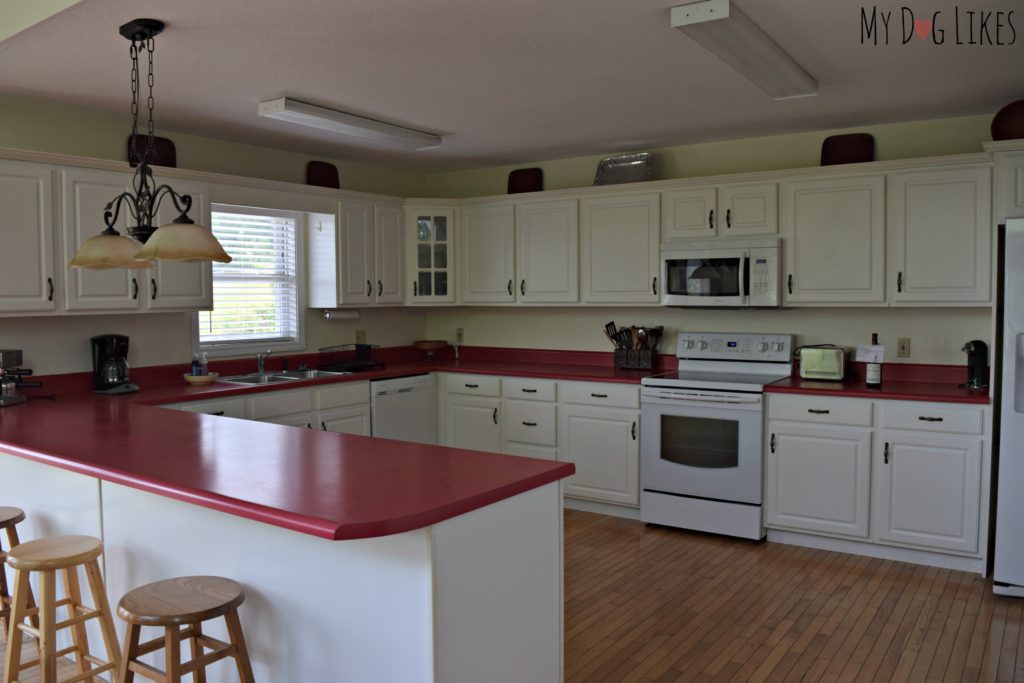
<point>404,408</point>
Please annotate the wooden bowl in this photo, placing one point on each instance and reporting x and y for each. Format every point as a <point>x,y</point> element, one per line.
<point>430,345</point>
<point>201,379</point>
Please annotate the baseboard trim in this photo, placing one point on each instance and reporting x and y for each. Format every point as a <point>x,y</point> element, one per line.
<point>610,509</point>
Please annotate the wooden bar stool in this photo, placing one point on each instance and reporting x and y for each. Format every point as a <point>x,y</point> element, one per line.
<point>186,601</point>
<point>9,520</point>
<point>47,556</point>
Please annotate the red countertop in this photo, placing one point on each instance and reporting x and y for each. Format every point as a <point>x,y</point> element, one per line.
<point>901,382</point>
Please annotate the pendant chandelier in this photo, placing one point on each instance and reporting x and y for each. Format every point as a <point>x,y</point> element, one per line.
<point>180,240</point>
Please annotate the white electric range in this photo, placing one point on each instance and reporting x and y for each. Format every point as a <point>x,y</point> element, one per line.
<point>701,444</point>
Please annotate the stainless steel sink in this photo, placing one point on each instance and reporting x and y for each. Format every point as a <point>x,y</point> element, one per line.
<point>309,374</point>
<point>259,378</point>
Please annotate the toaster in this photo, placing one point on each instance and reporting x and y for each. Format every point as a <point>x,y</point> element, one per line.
<point>822,362</point>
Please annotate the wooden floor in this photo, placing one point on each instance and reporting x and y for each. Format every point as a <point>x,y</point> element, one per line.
<point>653,604</point>
<point>28,653</point>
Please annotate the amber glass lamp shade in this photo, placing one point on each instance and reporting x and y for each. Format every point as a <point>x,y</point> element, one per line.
<point>110,249</point>
<point>183,240</point>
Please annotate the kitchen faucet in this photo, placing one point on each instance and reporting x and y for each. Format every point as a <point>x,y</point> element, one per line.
<point>261,360</point>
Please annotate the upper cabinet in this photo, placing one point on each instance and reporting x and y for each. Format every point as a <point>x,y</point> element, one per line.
<point>620,248</point>
<point>939,228</point>
<point>181,286</point>
<point>740,210</point>
<point>1009,194</point>
<point>355,260</point>
<point>430,235</point>
<point>27,257</point>
<point>834,232</point>
<point>527,252</point>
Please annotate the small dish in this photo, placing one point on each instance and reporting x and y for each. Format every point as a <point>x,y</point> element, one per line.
<point>201,379</point>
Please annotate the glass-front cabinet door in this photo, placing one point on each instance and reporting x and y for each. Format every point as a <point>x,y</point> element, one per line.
<point>430,258</point>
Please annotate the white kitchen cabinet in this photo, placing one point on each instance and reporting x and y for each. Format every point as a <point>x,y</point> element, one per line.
<point>351,420</point>
<point>175,286</point>
<point>356,259</point>
<point>735,210</point>
<point>928,490</point>
<point>228,407</point>
<point>487,249</point>
<point>604,444</point>
<point>547,251</point>
<point>473,422</point>
<point>1009,188</point>
<point>834,232</point>
<point>818,478</point>
<point>620,249</point>
<point>27,274</point>
<point>86,194</point>
<point>430,257</point>
<point>304,420</point>
<point>939,228</point>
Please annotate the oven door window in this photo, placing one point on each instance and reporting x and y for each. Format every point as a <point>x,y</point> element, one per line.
<point>705,276</point>
<point>703,443</point>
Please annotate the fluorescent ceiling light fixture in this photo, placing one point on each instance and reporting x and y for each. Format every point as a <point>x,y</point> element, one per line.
<point>304,114</point>
<point>728,34</point>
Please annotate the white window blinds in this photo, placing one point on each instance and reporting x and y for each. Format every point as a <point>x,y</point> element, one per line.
<point>255,297</point>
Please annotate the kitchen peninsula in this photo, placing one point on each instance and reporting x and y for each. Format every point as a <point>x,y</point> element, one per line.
<point>363,559</point>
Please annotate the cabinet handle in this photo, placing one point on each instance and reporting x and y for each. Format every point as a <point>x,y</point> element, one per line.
<point>654,286</point>
<point>510,288</point>
<point>522,287</point>
<point>899,281</point>
<point>711,219</point>
<point>929,419</point>
<point>415,288</point>
<point>529,391</point>
<point>152,284</point>
<point>309,425</point>
<point>885,453</point>
<point>600,395</point>
<point>219,412</point>
<point>49,289</point>
<point>632,430</point>
<point>728,218</point>
<point>771,444</point>
<point>816,411</point>
<point>472,386</point>
<point>323,426</point>
<point>529,424</point>
<point>369,288</point>
<point>380,287</point>
<point>135,288</point>
<point>790,283</point>
<point>494,416</point>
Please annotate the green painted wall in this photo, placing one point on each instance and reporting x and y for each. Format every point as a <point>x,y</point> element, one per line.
<point>18,15</point>
<point>796,150</point>
<point>26,124</point>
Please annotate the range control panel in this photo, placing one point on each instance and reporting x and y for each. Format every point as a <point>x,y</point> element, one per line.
<point>775,348</point>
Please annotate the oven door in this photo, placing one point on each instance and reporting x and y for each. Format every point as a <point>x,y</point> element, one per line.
<point>718,277</point>
<point>702,444</point>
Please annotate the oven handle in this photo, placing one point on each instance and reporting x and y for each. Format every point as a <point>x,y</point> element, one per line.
<point>697,400</point>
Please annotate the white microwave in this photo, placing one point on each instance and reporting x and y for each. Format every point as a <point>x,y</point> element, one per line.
<point>721,273</point>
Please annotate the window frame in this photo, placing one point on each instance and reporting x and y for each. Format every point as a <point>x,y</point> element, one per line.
<point>252,347</point>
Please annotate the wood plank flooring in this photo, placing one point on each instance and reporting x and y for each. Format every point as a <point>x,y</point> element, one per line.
<point>654,605</point>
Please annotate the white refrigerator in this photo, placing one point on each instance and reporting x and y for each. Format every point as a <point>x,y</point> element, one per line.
<point>1009,561</point>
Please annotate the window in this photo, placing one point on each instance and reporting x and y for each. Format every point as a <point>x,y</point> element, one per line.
<point>256,296</point>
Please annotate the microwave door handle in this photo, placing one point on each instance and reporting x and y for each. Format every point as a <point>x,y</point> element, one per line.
<point>744,294</point>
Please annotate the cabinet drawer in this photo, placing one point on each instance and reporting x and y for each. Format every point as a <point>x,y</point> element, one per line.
<point>598,394</point>
<point>229,407</point>
<point>822,410</point>
<point>929,417</point>
<point>528,389</point>
<point>529,422</point>
<point>281,403</point>
<point>477,385</point>
<point>342,394</point>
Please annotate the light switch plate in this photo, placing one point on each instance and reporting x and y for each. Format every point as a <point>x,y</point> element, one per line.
<point>903,347</point>
<point>458,335</point>
<point>360,336</point>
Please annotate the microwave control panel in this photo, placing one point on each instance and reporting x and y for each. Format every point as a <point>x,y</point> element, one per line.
<point>774,348</point>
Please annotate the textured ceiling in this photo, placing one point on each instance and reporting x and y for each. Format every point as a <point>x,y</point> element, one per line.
<point>506,81</point>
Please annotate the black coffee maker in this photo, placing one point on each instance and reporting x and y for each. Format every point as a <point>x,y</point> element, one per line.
<point>110,365</point>
<point>977,364</point>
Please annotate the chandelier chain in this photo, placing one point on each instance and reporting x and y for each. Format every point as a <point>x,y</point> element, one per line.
<point>150,44</point>
<point>134,51</point>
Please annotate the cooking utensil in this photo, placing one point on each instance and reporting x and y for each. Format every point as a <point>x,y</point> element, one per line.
<point>641,337</point>
<point>610,329</point>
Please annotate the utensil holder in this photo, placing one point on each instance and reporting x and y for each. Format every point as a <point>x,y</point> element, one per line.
<point>640,359</point>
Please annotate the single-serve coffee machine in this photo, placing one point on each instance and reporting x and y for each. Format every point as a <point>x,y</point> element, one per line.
<point>110,365</point>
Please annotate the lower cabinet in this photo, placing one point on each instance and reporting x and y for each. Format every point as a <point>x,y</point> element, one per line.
<point>296,420</point>
<point>928,490</point>
<point>473,422</point>
<point>818,478</point>
<point>604,444</point>
<point>353,420</point>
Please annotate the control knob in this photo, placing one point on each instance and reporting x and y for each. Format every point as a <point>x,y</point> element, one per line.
<point>779,346</point>
<point>764,346</point>
<point>703,344</point>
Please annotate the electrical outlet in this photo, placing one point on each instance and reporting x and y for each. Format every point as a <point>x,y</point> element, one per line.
<point>458,335</point>
<point>360,336</point>
<point>903,347</point>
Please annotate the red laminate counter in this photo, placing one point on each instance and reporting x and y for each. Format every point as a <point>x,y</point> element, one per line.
<point>329,485</point>
<point>900,390</point>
